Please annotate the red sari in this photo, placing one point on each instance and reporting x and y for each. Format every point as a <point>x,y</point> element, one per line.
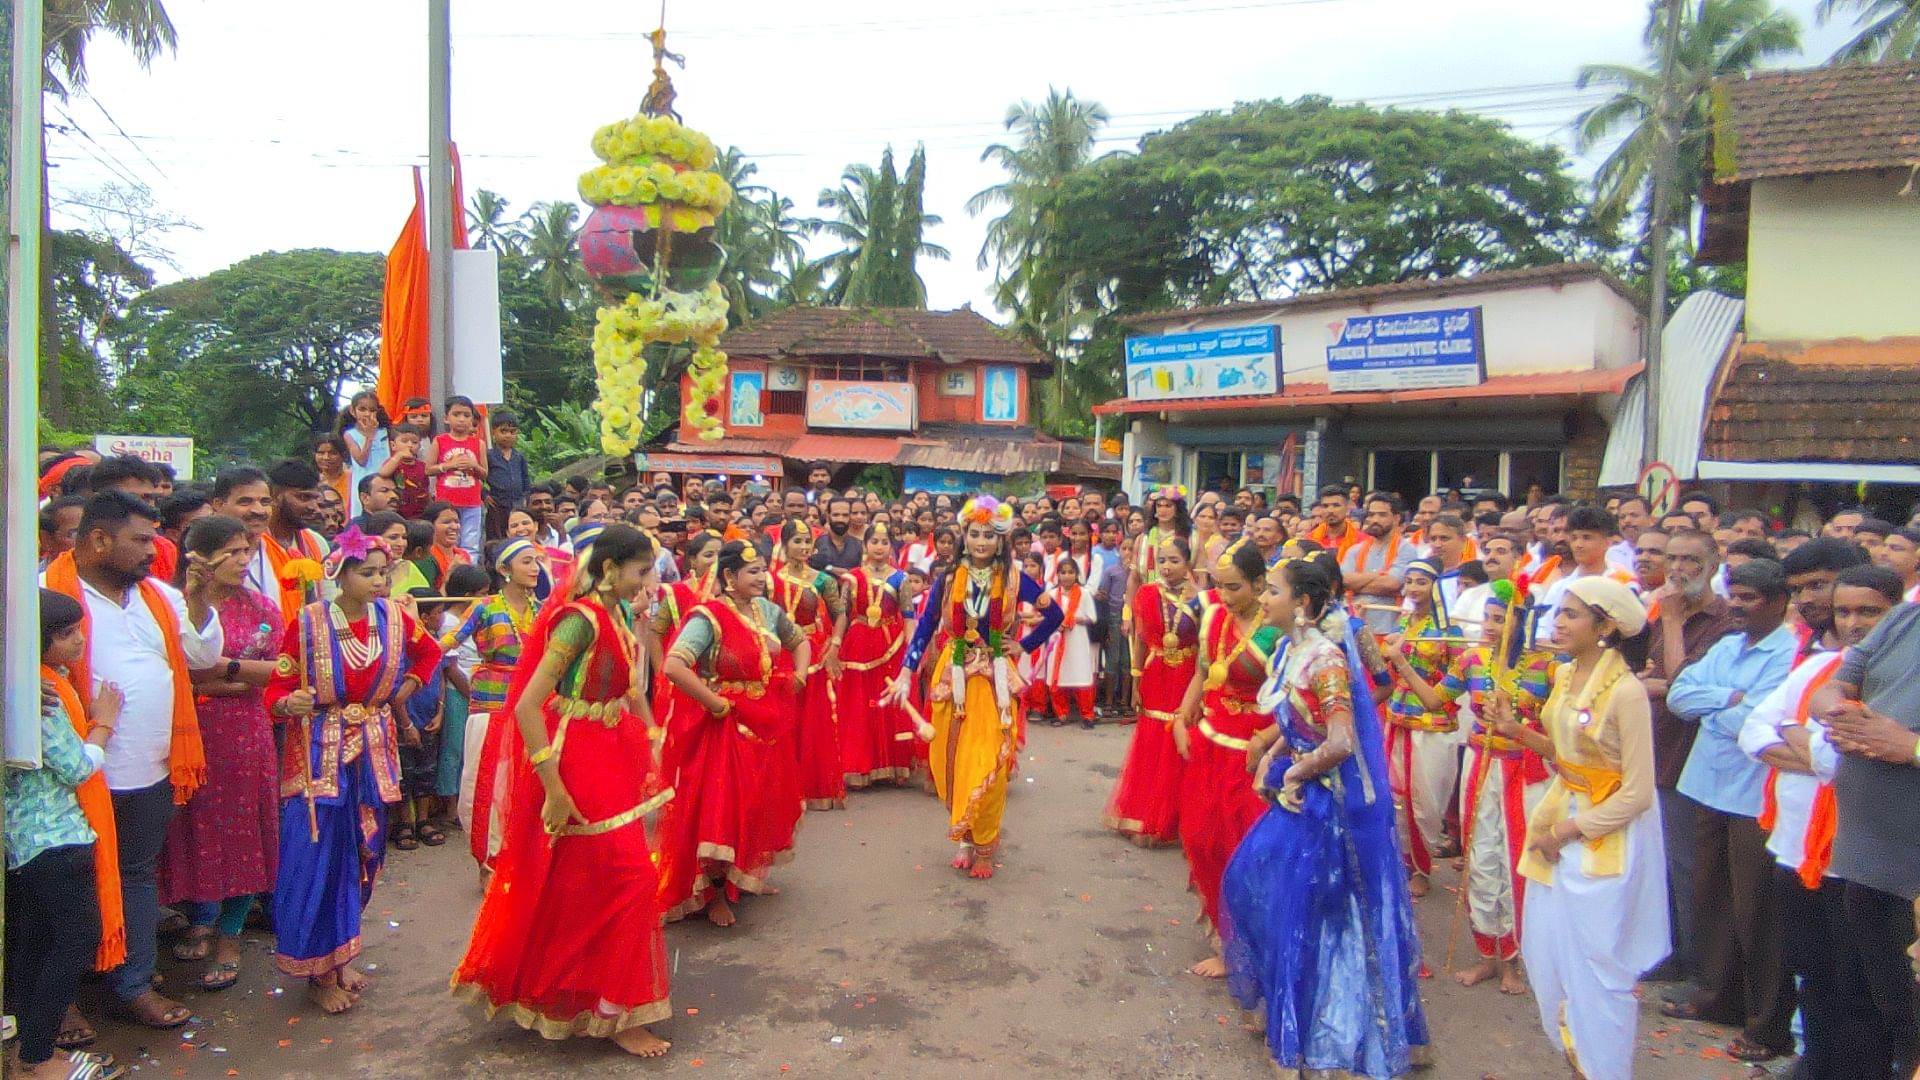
<point>1146,798</point>
<point>815,709</point>
<point>568,940</point>
<point>1217,801</point>
<point>876,740</point>
<point>739,800</point>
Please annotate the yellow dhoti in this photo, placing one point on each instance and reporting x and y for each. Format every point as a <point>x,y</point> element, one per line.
<point>970,758</point>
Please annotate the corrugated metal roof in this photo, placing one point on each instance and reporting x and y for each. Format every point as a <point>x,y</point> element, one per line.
<point>865,449</point>
<point>1692,346</point>
<point>994,456</point>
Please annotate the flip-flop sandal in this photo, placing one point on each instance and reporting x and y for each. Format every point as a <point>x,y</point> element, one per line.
<point>196,946</point>
<point>93,1065</point>
<point>1742,1050</point>
<point>1680,1010</point>
<point>221,975</point>
<point>431,835</point>
<point>132,1013</point>
<point>75,1033</point>
<point>403,838</point>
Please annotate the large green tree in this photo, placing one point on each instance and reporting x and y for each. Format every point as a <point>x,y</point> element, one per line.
<point>251,358</point>
<point>1884,29</point>
<point>1717,37</point>
<point>1275,198</point>
<point>881,223</point>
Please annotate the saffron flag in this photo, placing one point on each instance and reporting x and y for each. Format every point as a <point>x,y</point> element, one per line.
<point>404,322</point>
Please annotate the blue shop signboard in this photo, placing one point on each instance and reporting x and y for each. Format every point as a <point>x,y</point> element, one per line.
<point>1411,350</point>
<point>1241,362</point>
<point>945,481</point>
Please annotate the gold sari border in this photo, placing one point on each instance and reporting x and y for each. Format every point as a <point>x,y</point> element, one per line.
<point>587,1024</point>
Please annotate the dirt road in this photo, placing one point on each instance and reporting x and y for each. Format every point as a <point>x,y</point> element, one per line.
<point>876,961</point>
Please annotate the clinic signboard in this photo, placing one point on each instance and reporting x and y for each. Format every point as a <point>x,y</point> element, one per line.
<point>1241,362</point>
<point>1410,350</point>
<point>161,450</point>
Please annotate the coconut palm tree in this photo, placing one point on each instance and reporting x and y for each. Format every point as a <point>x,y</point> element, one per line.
<point>881,225</point>
<point>491,227</point>
<point>1717,37</point>
<point>1056,137</point>
<point>553,250</point>
<point>1888,29</point>
<point>760,235</point>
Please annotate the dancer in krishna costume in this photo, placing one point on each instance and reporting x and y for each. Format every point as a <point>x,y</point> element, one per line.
<point>568,939</point>
<point>969,644</point>
<point>1317,923</point>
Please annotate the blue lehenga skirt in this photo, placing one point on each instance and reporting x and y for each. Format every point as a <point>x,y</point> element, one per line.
<point>329,861</point>
<point>1319,934</point>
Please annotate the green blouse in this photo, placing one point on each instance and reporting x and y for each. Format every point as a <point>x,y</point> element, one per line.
<point>42,810</point>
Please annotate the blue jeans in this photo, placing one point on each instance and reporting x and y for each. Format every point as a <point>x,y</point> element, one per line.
<point>229,916</point>
<point>141,816</point>
<point>473,522</point>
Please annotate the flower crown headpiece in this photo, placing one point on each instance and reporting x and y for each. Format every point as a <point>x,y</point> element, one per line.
<point>987,510</point>
<point>352,544</point>
<point>1176,492</point>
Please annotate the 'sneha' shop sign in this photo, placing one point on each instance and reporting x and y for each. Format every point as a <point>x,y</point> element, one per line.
<point>1204,364</point>
<point>1413,350</point>
<point>160,450</point>
<point>878,406</point>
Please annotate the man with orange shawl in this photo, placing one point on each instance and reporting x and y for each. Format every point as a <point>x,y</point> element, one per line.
<point>145,638</point>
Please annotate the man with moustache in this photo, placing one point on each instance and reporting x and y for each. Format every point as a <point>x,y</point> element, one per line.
<point>1811,570</point>
<point>840,548</point>
<point>146,638</point>
<point>1650,566</point>
<point>1375,566</point>
<point>1692,618</point>
<point>285,531</point>
<point>1743,980</point>
<point>1498,555</point>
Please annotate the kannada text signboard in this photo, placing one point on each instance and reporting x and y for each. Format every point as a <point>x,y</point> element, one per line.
<point>1414,350</point>
<point>1241,362</point>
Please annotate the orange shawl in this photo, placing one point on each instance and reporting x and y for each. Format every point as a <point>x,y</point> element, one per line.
<point>291,597</point>
<point>1823,818</point>
<point>187,759</point>
<point>97,803</point>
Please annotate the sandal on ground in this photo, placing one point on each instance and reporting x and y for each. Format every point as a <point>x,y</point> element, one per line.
<point>93,1065</point>
<point>221,975</point>
<point>431,833</point>
<point>402,837</point>
<point>196,946</point>
<point>1742,1050</point>
<point>75,1033</point>
<point>1681,1010</point>
<point>173,923</point>
<point>155,1011</point>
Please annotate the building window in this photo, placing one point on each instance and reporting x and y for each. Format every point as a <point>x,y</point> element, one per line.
<point>1416,474</point>
<point>1463,469</point>
<point>1218,471</point>
<point>1409,472</point>
<point>786,403</point>
<point>861,369</point>
<point>1528,467</point>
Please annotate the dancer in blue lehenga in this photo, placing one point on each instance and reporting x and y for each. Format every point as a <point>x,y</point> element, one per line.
<point>1318,928</point>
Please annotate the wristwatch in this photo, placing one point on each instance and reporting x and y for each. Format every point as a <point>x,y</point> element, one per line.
<point>233,669</point>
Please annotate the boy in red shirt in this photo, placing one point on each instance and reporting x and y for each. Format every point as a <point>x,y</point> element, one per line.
<point>458,463</point>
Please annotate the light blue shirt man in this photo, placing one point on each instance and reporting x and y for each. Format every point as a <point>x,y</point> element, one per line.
<point>1717,693</point>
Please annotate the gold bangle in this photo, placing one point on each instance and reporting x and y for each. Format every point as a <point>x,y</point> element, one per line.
<point>1137,673</point>
<point>541,756</point>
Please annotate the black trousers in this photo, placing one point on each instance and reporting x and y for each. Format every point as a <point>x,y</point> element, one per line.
<point>53,931</point>
<point>1834,1006</point>
<point>1876,929</point>
<point>1116,672</point>
<point>1744,980</point>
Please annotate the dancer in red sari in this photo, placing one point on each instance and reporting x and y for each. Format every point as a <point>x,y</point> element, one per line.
<point>568,939</point>
<point>1218,717</point>
<point>728,751</point>
<point>876,736</point>
<point>1166,630</point>
<point>811,599</point>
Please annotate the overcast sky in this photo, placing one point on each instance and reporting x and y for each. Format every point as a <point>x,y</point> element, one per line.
<point>280,126</point>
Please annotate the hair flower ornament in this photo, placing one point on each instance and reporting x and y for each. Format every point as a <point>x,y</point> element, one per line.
<point>1176,492</point>
<point>350,544</point>
<point>989,511</point>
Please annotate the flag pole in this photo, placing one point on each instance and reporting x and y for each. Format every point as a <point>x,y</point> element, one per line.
<point>439,197</point>
<point>21,664</point>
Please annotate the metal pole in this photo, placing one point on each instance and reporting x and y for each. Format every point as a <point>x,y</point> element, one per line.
<point>439,196</point>
<point>21,663</point>
<point>1657,223</point>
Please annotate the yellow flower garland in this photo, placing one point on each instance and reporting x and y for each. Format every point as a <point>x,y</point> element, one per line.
<point>661,166</point>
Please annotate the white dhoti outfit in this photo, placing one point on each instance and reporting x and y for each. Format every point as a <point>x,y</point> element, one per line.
<point>1423,766</point>
<point>1498,828</point>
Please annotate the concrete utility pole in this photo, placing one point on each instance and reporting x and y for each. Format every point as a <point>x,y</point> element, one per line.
<point>21,665</point>
<point>440,210</point>
<point>1657,224</point>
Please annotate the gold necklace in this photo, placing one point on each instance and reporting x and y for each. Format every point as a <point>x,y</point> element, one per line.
<point>1218,670</point>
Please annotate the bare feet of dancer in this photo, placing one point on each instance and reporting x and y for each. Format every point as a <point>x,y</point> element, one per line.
<point>642,1043</point>
<point>964,860</point>
<point>719,913</point>
<point>1512,982</point>
<point>1213,967</point>
<point>1417,885</point>
<point>327,993</point>
<point>1486,969</point>
<point>982,868</point>
<point>353,982</point>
